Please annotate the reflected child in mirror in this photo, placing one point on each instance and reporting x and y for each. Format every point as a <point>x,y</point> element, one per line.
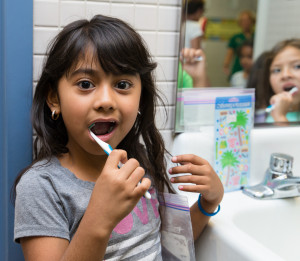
<point>245,53</point>
<point>283,76</point>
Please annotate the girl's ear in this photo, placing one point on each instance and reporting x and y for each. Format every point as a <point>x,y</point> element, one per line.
<point>53,101</point>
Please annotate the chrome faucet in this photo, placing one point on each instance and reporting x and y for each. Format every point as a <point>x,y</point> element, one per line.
<point>279,181</point>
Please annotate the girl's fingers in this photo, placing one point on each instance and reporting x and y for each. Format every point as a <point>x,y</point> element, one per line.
<point>190,179</point>
<point>189,158</point>
<point>188,55</point>
<point>142,187</point>
<point>116,157</point>
<point>130,168</point>
<point>136,175</point>
<point>203,170</point>
<point>193,188</point>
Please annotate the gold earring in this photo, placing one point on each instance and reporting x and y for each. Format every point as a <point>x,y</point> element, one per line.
<point>54,116</point>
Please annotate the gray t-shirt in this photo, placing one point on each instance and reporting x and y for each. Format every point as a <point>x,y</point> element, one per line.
<point>51,202</point>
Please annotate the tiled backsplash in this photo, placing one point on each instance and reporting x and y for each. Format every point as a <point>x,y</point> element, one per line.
<point>158,22</point>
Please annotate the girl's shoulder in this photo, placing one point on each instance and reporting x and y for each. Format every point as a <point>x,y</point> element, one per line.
<point>42,167</point>
<point>49,174</point>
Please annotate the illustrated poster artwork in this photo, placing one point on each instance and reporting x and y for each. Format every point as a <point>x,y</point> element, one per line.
<point>233,123</point>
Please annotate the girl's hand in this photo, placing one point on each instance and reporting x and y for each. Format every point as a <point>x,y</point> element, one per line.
<point>117,191</point>
<point>196,69</point>
<point>283,103</point>
<point>204,178</point>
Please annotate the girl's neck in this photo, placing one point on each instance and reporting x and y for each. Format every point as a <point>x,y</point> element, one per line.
<point>295,107</point>
<point>245,74</point>
<point>248,34</point>
<point>84,167</point>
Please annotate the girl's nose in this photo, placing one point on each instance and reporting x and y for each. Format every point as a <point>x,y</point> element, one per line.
<point>105,98</point>
<point>286,72</point>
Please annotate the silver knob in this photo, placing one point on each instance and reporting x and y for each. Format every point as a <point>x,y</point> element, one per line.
<point>282,163</point>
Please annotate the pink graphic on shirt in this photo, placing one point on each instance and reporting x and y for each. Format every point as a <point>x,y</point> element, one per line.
<point>143,216</point>
<point>154,203</point>
<point>125,225</point>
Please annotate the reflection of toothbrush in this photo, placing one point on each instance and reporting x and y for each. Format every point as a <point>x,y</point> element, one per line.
<point>198,59</point>
<point>272,106</point>
<point>108,149</point>
<point>194,59</point>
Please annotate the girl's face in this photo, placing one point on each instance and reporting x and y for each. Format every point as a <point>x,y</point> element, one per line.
<point>285,71</point>
<point>246,58</point>
<point>245,22</point>
<point>89,96</point>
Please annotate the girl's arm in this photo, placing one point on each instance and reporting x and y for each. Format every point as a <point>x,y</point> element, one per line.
<point>114,196</point>
<point>205,181</point>
<point>87,244</point>
<point>196,42</point>
<point>227,60</point>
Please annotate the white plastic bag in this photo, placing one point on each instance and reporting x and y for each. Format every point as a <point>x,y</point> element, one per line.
<point>177,234</point>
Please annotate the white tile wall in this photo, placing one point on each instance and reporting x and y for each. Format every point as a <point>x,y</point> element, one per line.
<point>156,20</point>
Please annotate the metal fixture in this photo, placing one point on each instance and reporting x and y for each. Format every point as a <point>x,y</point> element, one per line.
<point>279,181</point>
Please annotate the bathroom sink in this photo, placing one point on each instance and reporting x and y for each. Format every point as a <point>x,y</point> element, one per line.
<point>276,225</point>
<point>251,229</point>
<point>248,229</point>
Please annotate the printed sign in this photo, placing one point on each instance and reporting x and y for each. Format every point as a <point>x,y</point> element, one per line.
<point>233,123</point>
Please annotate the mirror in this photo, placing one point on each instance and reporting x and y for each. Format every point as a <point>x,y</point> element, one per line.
<point>218,23</point>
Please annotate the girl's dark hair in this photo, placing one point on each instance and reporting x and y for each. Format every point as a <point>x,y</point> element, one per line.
<point>194,5</point>
<point>119,50</point>
<point>246,43</point>
<point>258,80</point>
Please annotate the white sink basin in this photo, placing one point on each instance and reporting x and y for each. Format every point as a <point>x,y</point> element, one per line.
<point>248,229</point>
<point>251,229</point>
<point>275,224</point>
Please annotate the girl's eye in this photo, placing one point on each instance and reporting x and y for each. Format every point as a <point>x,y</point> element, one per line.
<point>297,66</point>
<point>275,70</point>
<point>85,85</point>
<point>123,85</point>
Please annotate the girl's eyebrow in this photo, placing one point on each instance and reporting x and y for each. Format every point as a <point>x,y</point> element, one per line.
<point>88,71</point>
<point>291,61</point>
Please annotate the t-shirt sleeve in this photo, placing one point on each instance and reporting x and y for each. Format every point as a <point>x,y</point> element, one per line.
<point>231,43</point>
<point>38,209</point>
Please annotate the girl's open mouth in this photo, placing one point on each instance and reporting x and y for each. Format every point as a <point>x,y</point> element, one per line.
<point>103,128</point>
<point>288,88</point>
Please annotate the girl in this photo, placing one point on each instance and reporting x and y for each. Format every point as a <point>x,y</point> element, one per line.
<point>239,79</point>
<point>246,20</point>
<point>284,75</point>
<point>73,202</point>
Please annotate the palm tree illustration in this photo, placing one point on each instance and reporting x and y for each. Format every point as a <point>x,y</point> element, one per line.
<point>228,160</point>
<point>241,121</point>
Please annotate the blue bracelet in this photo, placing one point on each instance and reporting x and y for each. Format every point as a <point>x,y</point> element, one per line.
<point>203,211</point>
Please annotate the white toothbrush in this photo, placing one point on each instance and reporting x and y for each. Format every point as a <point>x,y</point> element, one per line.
<point>108,149</point>
<point>272,106</point>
